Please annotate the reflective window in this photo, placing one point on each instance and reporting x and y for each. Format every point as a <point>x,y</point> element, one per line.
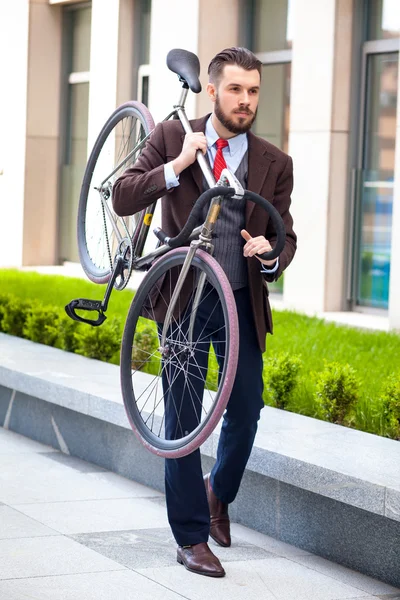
<point>272,25</point>
<point>377,180</point>
<point>272,31</point>
<point>80,21</point>
<point>383,19</point>
<point>272,122</point>
<point>77,27</point>
<point>144,33</point>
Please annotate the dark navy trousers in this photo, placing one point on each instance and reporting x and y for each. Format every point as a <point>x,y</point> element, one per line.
<point>187,505</point>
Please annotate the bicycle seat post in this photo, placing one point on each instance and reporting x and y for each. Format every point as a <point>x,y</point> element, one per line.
<point>180,109</point>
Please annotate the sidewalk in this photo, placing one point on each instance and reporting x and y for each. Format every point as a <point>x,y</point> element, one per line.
<point>71,530</point>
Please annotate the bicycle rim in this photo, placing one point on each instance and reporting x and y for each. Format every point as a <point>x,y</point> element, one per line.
<point>100,231</point>
<point>168,406</point>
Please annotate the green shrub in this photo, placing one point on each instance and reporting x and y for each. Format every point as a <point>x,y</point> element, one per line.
<point>99,342</point>
<point>41,325</point>
<point>144,350</point>
<point>390,399</point>
<point>280,375</point>
<point>67,330</point>
<point>4,302</point>
<point>15,312</point>
<point>337,390</point>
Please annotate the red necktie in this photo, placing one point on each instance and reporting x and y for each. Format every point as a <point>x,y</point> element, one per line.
<point>219,161</point>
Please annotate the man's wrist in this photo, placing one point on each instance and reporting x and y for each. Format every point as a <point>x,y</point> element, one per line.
<point>270,269</point>
<point>178,166</point>
<point>270,264</point>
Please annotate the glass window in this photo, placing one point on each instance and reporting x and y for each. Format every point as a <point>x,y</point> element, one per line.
<point>80,39</point>
<point>144,33</point>
<point>383,19</point>
<point>272,122</point>
<point>77,47</point>
<point>377,181</point>
<point>272,25</point>
<point>271,32</point>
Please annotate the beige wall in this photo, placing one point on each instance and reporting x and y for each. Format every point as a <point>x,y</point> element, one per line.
<point>319,132</point>
<point>218,29</point>
<point>126,59</point>
<point>42,135</point>
<point>338,256</point>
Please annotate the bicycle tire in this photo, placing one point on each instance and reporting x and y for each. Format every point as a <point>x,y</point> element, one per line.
<point>133,381</point>
<point>97,249</point>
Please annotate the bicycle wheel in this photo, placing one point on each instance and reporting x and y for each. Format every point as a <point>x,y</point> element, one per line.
<point>100,230</point>
<point>174,396</point>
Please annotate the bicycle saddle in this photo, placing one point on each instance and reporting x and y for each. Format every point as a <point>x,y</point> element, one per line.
<point>187,66</point>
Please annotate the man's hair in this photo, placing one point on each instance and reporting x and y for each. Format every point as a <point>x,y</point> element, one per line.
<point>242,57</point>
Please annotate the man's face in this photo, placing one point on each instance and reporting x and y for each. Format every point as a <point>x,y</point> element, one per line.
<point>236,98</point>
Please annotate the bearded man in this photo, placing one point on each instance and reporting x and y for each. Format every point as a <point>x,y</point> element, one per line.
<point>198,507</point>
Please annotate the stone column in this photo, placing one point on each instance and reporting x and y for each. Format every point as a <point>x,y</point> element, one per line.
<point>40,246</point>
<point>174,24</point>
<point>103,65</point>
<point>14,24</point>
<point>218,29</point>
<point>319,132</point>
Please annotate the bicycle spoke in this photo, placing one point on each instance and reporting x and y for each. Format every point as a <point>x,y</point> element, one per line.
<point>181,399</point>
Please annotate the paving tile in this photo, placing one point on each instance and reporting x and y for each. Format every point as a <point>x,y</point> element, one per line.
<point>97,515</point>
<point>14,524</point>
<point>58,555</point>
<point>264,541</point>
<point>153,548</point>
<point>353,578</point>
<point>275,578</point>
<point>74,463</point>
<point>134,549</point>
<point>27,481</point>
<point>14,443</point>
<point>118,585</point>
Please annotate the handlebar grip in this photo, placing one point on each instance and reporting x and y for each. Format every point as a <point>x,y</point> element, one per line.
<point>161,235</point>
<point>277,221</point>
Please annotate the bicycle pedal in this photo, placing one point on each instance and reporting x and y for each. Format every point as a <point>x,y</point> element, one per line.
<point>86,304</point>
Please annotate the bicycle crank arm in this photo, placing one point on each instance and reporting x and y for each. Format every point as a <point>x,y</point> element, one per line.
<point>99,305</point>
<point>84,304</point>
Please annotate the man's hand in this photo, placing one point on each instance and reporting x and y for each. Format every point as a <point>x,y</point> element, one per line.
<point>257,245</point>
<point>192,142</point>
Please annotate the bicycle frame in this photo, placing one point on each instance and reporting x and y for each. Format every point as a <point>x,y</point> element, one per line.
<point>200,237</point>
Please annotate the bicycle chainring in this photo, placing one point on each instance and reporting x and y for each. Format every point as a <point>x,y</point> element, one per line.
<point>126,251</point>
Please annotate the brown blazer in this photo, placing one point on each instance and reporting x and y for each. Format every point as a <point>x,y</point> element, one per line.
<point>270,175</point>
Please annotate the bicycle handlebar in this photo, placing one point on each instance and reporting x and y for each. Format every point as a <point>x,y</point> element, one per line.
<point>196,212</point>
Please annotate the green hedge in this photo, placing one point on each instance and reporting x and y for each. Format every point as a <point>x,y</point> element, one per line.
<point>310,367</point>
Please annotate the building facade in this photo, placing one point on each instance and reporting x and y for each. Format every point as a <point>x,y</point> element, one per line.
<point>330,98</point>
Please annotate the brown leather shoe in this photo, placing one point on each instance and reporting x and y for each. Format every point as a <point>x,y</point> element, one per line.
<point>199,559</point>
<point>219,518</point>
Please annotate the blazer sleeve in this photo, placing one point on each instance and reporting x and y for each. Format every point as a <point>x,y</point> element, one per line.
<point>282,202</point>
<point>144,182</point>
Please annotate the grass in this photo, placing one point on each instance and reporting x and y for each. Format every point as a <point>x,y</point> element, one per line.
<point>373,355</point>
<point>58,290</point>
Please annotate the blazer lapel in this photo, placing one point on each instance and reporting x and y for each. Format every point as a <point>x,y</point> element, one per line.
<point>197,174</point>
<point>259,163</point>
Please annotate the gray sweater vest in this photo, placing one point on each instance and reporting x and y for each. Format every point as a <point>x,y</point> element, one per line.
<point>228,243</point>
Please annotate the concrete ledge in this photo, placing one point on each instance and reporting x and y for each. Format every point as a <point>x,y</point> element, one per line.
<point>325,488</point>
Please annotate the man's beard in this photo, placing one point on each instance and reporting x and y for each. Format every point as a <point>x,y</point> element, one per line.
<point>229,124</point>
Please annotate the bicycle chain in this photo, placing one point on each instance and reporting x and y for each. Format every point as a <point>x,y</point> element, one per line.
<point>105,231</point>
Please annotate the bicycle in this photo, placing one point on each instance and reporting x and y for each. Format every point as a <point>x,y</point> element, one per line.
<point>162,345</point>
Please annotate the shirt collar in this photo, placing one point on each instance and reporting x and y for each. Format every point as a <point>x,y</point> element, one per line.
<point>235,143</point>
